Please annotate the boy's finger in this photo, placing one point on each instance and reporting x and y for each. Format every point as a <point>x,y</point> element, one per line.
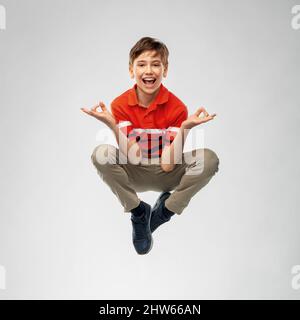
<point>102,105</point>
<point>206,113</point>
<point>85,110</point>
<point>199,110</point>
<point>94,108</point>
<point>210,117</point>
<point>205,119</point>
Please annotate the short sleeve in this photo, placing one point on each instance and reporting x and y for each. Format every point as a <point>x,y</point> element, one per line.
<point>123,122</point>
<point>180,114</point>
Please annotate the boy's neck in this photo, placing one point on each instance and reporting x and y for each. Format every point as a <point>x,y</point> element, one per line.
<point>145,99</point>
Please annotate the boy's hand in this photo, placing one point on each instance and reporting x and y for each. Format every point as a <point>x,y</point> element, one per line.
<point>195,120</point>
<point>104,115</point>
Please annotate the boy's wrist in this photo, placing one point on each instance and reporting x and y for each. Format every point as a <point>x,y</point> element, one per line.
<point>184,126</point>
<point>112,126</point>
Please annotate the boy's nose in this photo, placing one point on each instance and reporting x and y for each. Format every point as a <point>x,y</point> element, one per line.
<point>148,69</point>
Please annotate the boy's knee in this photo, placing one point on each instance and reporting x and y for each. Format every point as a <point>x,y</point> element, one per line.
<point>205,162</point>
<point>104,154</point>
<point>211,161</point>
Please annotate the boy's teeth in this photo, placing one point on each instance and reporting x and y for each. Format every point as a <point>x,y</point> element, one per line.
<point>149,80</point>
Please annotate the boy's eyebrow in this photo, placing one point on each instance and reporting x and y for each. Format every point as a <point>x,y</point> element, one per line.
<point>145,60</point>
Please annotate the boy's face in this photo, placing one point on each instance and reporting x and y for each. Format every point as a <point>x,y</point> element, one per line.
<point>148,65</point>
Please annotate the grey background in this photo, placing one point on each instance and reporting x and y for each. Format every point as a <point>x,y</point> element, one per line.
<point>63,234</point>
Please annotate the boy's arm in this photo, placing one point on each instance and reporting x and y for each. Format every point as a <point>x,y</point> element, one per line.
<point>125,136</point>
<point>172,154</point>
<point>173,149</point>
<point>128,147</point>
<point>117,124</point>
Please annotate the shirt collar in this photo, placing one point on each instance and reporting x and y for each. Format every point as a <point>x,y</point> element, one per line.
<point>161,98</point>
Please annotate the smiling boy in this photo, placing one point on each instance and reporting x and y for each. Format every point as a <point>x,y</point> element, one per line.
<point>151,125</point>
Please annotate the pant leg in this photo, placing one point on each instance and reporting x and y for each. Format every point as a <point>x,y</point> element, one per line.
<point>124,179</point>
<point>105,158</point>
<point>200,166</point>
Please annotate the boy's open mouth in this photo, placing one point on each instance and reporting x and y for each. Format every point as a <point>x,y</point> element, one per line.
<point>149,81</point>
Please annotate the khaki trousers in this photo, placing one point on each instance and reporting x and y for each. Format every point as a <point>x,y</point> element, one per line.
<point>186,179</point>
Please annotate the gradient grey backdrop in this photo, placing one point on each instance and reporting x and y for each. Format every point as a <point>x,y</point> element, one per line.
<point>63,234</point>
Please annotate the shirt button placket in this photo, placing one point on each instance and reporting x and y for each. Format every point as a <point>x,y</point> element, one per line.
<point>148,119</point>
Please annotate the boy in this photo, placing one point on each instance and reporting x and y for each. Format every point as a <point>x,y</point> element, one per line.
<point>150,125</point>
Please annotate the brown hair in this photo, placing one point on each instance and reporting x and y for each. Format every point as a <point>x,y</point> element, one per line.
<point>148,43</point>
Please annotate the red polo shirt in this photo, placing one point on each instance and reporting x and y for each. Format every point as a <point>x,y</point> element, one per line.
<point>153,127</point>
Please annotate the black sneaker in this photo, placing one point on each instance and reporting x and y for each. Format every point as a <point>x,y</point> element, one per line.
<point>158,217</point>
<point>141,234</point>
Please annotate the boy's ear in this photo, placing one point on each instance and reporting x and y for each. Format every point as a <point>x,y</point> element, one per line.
<point>131,72</point>
<point>165,71</point>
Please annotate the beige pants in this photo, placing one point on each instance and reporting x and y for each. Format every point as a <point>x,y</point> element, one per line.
<point>186,179</point>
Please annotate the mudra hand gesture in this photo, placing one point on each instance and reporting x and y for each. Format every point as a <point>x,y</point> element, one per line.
<point>195,120</point>
<point>104,115</point>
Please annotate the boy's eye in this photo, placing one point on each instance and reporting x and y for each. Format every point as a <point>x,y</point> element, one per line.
<point>142,65</point>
